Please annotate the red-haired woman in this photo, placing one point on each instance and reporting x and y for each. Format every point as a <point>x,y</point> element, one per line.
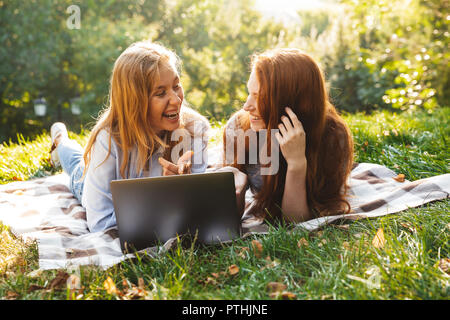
<point>287,92</point>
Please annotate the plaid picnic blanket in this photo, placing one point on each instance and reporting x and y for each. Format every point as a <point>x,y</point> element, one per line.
<point>45,210</point>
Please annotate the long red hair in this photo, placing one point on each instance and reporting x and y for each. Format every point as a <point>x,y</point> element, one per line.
<point>291,78</point>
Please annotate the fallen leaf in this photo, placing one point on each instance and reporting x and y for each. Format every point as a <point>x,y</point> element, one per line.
<point>257,248</point>
<point>11,295</point>
<point>395,132</point>
<point>215,275</point>
<point>302,243</point>
<point>379,240</point>
<point>285,295</point>
<point>243,251</point>
<point>110,287</point>
<point>233,269</point>
<point>59,281</point>
<point>444,265</point>
<point>322,242</point>
<point>134,293</point>
<point>288,295</point>
<point>276,286</point>
<point>210,280</point>
<point>400,177</point>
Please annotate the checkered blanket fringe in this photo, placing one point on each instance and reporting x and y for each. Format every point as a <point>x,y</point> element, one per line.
<point>44,210</point>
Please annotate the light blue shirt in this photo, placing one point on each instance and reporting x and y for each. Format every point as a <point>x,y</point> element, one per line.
<point>97,197</point>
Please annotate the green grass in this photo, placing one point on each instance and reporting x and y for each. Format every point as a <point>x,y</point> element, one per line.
<point>338,262</point>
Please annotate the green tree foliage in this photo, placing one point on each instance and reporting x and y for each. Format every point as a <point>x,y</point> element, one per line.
<point>375,55</point>
<point>391,54</point>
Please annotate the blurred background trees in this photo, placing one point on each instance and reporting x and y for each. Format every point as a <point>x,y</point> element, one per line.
<point>375,54</point>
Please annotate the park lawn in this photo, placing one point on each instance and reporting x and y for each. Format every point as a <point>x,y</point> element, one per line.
<point>336,262</point>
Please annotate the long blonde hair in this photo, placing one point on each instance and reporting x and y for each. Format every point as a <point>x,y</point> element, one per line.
<point>126,118</point>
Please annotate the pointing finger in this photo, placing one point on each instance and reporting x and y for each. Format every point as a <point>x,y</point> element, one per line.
<point>168,165</point>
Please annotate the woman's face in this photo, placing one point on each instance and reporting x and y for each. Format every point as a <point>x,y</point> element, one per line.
<point>251,106</point>
<point>166,100</point>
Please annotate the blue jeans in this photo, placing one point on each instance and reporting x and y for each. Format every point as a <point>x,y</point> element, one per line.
<point>71,158</point>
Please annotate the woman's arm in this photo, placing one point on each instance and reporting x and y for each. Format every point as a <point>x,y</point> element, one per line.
<point>294,203</point>
<point>97,197</point>
<point>292,142</point>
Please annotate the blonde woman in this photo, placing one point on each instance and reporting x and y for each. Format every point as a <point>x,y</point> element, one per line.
<point>145,131</point>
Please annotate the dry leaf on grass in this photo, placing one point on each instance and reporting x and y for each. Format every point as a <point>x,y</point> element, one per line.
<point>322,242</point>
<point>379,240</point>
<point>133,292</point>
<point>400,177</point>
<point>276,286</point>
<point>257,248</point>
<point>210,280</point>
<point>285,295</point>
<point>59,281</point>
<point>302,243</point>
<point>11,295</point>
<point>242,252</point>
<point>233,269</point>
<point>110,286</point>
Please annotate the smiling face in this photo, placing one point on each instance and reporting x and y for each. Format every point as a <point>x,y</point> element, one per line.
<point>166,100</point>
<point>251,105</point>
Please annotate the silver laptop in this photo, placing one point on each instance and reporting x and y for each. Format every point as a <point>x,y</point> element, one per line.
<point>150,211</point>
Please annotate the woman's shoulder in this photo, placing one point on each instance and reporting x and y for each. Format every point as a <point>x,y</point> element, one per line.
<point>103,138</point>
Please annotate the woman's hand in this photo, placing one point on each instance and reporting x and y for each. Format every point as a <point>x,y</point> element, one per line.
<point>183,165</point>
<point>292,140</point>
